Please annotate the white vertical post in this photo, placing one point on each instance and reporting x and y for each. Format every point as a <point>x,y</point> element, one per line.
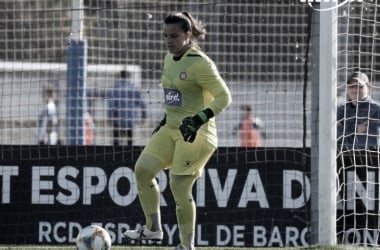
<point>323,151</point>
<point>77,18</point>
<point>76,77</point>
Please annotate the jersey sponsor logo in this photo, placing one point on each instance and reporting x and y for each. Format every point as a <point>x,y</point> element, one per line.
<point>173,97</point>
<point>182,75</point>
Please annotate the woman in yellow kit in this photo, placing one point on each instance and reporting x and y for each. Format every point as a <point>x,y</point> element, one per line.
<point>186,137</point>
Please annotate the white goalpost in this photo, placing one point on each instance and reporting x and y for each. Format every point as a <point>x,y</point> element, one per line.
<point>323,146</point>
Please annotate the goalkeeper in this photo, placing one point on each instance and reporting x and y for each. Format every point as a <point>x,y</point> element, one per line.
<point>186,138</point>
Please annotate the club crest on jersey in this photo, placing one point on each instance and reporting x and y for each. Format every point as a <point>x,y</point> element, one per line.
<point>182,75</point>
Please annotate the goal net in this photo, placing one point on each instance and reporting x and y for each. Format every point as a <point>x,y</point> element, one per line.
<point>357,156</point>
<point>246,197</point>
<point>263,69</point>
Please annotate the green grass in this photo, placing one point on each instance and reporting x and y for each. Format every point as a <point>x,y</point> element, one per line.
<point>126,247</point>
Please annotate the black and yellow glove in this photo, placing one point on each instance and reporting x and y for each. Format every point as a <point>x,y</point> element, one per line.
<point>191,124</point>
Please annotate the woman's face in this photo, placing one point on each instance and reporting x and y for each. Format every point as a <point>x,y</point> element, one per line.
<point>356,92</point>
<point>176,40</point>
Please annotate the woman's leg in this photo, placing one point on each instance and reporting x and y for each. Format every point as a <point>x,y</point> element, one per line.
<point>181,187</point>
<point>156,156</point>
<point>188,163</point>
<point>146,169</point>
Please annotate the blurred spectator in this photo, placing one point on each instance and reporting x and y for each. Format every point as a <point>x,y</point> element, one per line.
<point>358,119</point>
<point>48,120</point>
<point>89,127</point>
<point>249,128</point>
<point>125,106</point>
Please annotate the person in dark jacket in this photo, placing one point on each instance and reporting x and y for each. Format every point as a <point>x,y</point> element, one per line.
<point>358,119</point>
<point>125,108</point>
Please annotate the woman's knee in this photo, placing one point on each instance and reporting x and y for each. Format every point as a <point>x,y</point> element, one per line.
<point>181,185</point>
<point>147,167</point>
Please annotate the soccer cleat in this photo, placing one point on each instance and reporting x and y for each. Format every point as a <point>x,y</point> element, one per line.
<point>144,233</point>
<point>182,247</point>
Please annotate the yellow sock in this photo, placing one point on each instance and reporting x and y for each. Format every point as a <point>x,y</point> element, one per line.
<point>181,187</point>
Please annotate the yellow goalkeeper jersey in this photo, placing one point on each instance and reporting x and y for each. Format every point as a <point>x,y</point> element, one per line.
<point>192,84</point>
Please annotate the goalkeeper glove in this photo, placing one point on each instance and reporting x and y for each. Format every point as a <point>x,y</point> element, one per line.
<point>191,124</point>
<point>162,123</point>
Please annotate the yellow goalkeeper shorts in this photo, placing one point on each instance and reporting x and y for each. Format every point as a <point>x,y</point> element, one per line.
<point>182,158</point>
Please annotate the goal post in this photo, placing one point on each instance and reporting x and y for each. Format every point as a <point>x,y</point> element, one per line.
<point>323,146</point>
<point>76,77</point>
